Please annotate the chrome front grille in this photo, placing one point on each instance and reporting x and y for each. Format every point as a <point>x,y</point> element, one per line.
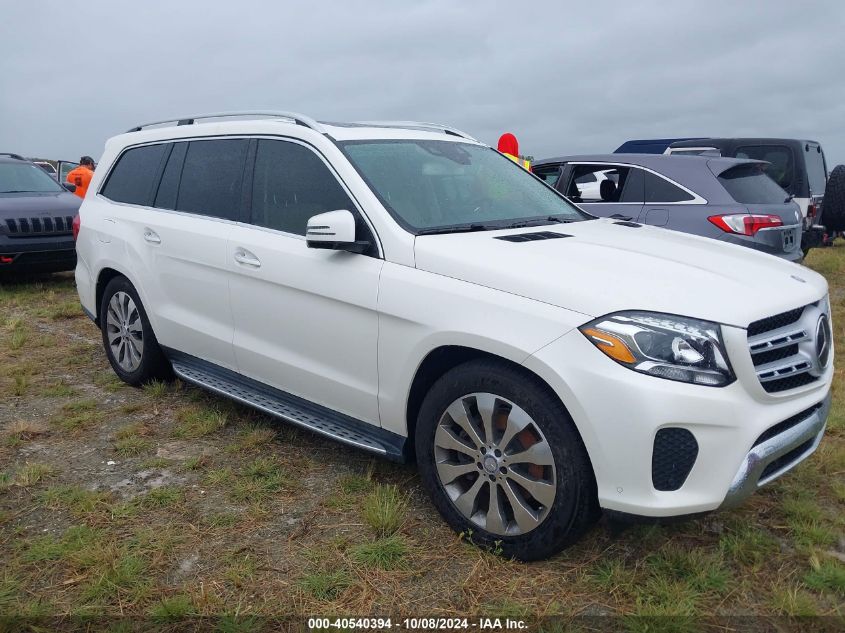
<point>44,225</point>
<point>783,348</point>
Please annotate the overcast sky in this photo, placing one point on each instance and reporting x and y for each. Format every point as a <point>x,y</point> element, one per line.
<point>565,77</point>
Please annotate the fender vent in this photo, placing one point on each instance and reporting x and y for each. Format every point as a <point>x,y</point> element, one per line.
<point>633,225</point>
<point>532,237</point>
<point>675,452</point>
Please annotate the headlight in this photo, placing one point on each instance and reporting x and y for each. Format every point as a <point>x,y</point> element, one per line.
<point>663,345</point>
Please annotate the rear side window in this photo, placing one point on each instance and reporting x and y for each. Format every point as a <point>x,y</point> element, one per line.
<point>168,188</point>
<point>780,168</point>
<point>131,180</point>
<point>658,189</point>
<point>816,168</point>
<point>749,184</point>
<point>212,177</point>
<point>290,185</point>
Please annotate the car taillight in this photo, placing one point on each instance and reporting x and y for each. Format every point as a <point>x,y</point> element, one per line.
<point>811,212</point>
<point>75,227</point>
<point>745,224</point>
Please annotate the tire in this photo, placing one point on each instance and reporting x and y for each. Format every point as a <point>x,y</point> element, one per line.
<point>527,415</point>
<point>133,351</point>
<point>833,207</point>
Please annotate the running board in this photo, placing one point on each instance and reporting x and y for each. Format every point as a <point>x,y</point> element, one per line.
<point>288,407</point>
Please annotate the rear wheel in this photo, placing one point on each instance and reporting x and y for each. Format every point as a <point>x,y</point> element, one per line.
<point>128,338</point>
<point>503,462</point>
<point>833,208</point>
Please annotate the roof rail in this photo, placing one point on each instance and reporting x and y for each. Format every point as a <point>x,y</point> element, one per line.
<point>11,155</point>
<point>298,119</point>
<point>419,125</point>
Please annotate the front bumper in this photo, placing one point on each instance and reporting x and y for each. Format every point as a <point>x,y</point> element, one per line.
<point>775,456</point>
<point>37,255</point>
<point>619,412</point>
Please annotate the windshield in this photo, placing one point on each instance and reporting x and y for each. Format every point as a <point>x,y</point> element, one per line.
<point>26,177</point>
<point>750,184</point>
<point>431,186</point>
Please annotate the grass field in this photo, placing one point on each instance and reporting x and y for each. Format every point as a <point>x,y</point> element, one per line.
<point>168,501</point>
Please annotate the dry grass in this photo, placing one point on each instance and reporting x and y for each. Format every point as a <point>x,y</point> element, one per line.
<point>169,502</point>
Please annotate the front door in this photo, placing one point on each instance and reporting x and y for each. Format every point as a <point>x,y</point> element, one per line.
<point>604,189</point>
<point>306,320</point>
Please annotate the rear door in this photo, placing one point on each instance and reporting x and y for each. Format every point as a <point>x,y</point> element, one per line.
<point>178,240</point>
<point>604,189</point>
<point>667,204</point>
<point>306,320</point>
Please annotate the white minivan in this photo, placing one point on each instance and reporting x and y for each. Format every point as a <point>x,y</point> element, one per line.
<point>405,289</point>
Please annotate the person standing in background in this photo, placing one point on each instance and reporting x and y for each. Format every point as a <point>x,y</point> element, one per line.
<point>509,146</point>
<point>81,176</point>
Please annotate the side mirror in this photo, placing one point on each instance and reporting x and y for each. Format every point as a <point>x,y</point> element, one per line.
<point>334,230</point>
<point>69,187</point>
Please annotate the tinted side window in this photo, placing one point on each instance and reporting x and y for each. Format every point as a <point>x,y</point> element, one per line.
<point>131,179</point>
<point>633,190</point>
<point>659,189</point>
<point>212,177</point>
<point>168,188</point>
<point>816,168</point>
<point>780,157</point>
<point>290,185</point>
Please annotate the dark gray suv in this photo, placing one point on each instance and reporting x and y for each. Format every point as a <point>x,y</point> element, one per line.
<point>727,199</point>
<point>36,219</point>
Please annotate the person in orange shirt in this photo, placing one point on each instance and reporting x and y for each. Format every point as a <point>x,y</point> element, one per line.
<point>81,176</point>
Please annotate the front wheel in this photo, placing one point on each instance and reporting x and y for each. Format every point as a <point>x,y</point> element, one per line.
<point>128,338</point>
<point>503,462</point>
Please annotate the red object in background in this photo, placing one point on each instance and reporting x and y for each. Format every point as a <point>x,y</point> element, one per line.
<point>508,144</point>
<point>75,227</point>
<point>745,224</point>
<point>5,259</point>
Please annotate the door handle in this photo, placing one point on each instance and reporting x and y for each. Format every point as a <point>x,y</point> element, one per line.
<point>151,236</point>
<point>247,259</point>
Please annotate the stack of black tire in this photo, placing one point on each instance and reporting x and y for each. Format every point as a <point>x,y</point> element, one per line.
<point>833,208</point>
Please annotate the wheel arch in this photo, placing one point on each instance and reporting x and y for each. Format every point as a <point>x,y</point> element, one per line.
<point>108,272</point>
<point>446,357</point>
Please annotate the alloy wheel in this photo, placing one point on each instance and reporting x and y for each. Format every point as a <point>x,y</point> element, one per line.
<point>124,331</point>
<point>495,464</point>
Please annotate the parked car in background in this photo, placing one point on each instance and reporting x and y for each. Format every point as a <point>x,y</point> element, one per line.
<point>649,145</point>
<point>36,219</point>
<point>726,199</point>
<point>402,288</point>
<point>48,168</point>
<point>798,166</point>
<point>58,169</point>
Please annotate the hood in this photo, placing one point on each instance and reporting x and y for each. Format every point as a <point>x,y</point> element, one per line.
<point>606,266</point>
<point>24,205</point>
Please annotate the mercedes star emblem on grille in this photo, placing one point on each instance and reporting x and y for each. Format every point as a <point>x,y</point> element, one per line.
<point>823,341</point>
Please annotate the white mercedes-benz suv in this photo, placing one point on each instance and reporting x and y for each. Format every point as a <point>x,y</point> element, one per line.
<point>403,288</point>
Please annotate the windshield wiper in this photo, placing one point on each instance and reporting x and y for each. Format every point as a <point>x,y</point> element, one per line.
<point>458,228</point>
<point>538,222</point>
